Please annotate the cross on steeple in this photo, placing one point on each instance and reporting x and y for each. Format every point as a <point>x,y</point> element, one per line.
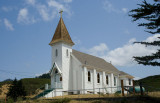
<point>61,12</point>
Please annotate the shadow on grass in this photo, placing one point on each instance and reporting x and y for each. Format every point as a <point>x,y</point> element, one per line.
<point>130,99</point>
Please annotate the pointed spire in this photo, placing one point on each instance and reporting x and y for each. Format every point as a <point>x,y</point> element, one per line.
<point>61,33</point>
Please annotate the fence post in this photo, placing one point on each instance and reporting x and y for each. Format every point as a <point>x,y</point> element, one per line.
<point>99,92</point>
<point>93,90</point>
<point>79,93</point>
<point>141,89</point>
<point>62,94</point>
<point>133,87</point>
<point>122,87</point>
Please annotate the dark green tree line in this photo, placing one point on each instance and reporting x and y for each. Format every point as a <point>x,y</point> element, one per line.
<point>16,90</point>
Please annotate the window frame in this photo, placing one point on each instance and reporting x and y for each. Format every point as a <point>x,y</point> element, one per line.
<point>115,81</point>
<point>129,81</point>
<point>56,71</point>
<point>60,79</point>
<point>98,78</point>
<point>67,52</point>
<point>89,76</point>
<point>107,81</point>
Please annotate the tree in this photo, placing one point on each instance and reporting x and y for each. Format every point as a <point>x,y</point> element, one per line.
<point>16,90</point>
<point>150,14</point>
<point>45,75</point>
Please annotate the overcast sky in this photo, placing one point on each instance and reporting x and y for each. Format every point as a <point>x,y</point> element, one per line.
<point>98,27</point>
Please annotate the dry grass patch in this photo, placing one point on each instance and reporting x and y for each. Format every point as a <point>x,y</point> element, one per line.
<point>4,90</point>
<point>86,96</point>
<point>154,94</point>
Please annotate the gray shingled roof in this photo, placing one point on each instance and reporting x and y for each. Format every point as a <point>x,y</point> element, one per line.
<point>125,74</point>
<point>96,62</point>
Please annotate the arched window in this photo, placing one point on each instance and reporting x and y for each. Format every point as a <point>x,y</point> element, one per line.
<point>56,52</point>
<point>89,76</point>
<point>129,81</point>
<point>115,81</point>
<point>67,52</point>
<point>98,78</point>
<point>56,71</point>
<point>60,78</point>
<point>107,79</point>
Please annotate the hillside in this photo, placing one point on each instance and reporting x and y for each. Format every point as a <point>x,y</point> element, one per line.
<point>30,84</point>
<point>5,82</point>
<point>151,83</point>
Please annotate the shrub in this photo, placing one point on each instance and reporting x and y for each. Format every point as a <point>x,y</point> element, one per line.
<point>2,100</point>
<point>16,90</point>
<point>10,100</point>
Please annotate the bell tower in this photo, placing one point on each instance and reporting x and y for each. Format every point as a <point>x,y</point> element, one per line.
<point>61,45</point>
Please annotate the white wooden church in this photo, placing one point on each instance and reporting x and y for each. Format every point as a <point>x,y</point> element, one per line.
<point>74,72</point>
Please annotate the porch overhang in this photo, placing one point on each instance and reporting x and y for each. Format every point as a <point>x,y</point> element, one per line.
<point>55,66</point>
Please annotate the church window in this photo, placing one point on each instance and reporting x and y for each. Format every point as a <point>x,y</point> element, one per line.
<point>56,71</point>
<point>67,52</point>
<point>98,78</point>
<point>114,81</point>
<point>107,79</point>
<point>89,76</point>
<point>60,78</point>
<point>129,81</point>
<point>56,52</point>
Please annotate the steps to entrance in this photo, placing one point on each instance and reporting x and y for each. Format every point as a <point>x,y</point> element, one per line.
<point>42,94</point>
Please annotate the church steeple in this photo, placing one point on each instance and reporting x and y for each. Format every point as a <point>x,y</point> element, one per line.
<point>61,33</point>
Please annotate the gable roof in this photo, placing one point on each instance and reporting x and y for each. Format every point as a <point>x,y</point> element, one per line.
<point>55,66</point>
<point>61,34</point>
<point>95,62</point>
<point>122,74</point>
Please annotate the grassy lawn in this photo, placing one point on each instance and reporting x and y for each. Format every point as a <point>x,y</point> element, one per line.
<point>86,96</point>
<point>154,94</point>
<point>90,98</point>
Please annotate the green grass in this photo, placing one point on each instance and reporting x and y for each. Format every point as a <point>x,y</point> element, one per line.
<point>131,99</point>
<point>32,84</point>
